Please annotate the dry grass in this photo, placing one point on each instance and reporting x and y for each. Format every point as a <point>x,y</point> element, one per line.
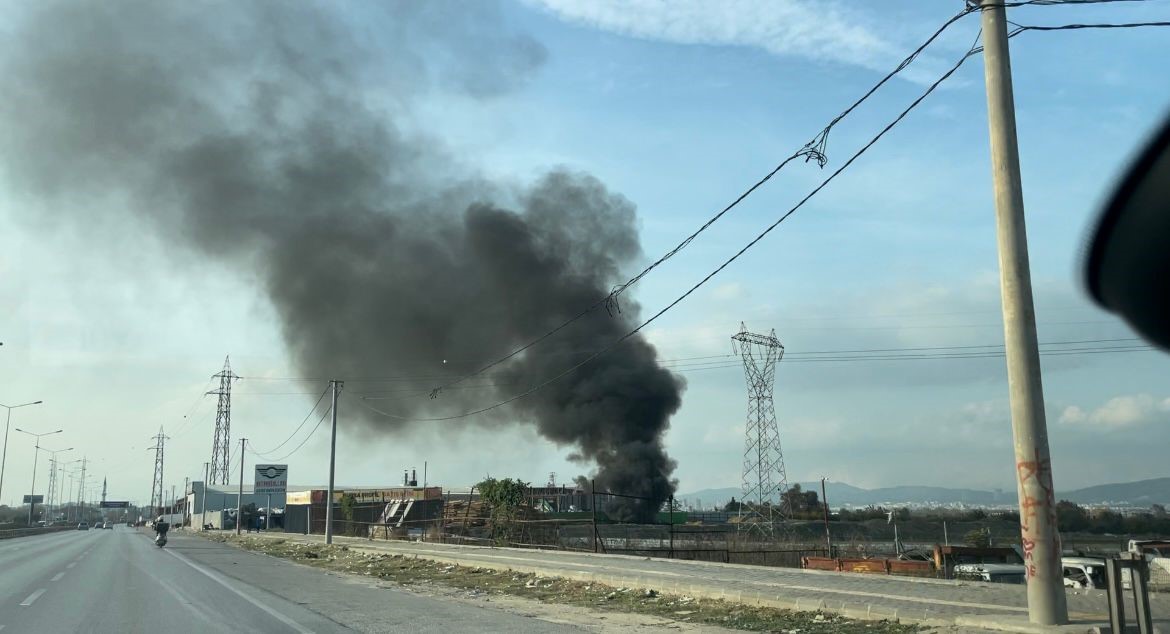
<point>414,572</point>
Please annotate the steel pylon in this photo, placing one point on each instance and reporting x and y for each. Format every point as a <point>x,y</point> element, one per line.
<point>764,478</point>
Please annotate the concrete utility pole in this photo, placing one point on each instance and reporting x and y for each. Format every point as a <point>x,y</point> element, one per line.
<point>825,506</point>
<point>240,495</point>
<point>336,385</point>
<point>1039,534</point>
<point>206,469</point>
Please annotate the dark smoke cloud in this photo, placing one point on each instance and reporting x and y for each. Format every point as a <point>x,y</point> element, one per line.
<point>245,131</point>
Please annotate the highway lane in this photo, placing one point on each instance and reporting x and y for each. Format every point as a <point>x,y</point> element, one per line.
<point>118,581</point>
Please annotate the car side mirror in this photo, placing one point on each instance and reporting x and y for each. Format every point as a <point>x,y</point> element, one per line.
<point>1128,264</point>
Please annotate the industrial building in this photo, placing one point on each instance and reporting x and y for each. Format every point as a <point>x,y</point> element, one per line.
<point>395,509</point>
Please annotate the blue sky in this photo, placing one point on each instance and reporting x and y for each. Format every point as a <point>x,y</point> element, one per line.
<point>679,114</point>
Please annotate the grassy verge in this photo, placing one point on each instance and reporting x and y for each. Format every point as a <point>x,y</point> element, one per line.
<point>412,572</point>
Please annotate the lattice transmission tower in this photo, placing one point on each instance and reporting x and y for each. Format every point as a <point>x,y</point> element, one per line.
<point>221,449</point>
<point>51,493</point>
<point>156,485</point>
<point>764,478</point>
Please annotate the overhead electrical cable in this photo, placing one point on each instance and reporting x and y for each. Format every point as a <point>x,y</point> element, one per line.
<point>295,431</point>
<point>973,50</point>
<point>824,183</point>
<point>813,150</point>
<point>1021,28</point>
<point>306,439</point>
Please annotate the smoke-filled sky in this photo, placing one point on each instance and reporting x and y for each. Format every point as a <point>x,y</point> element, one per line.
<point>395,193</point>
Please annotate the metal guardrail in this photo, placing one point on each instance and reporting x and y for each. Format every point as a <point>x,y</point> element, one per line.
<point>39,530</point>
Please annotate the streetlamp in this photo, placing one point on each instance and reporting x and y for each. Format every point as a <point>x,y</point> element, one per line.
<point>36,454</point>
<point>4,457</point>
<point>51,495</point>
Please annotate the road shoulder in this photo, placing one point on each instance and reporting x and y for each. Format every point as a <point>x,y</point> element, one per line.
<point>586,603</point>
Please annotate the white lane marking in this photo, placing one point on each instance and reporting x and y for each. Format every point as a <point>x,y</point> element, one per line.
<point>32,598</point>
<point>214,577</point>
<point>57,577</point>
<point>187,604</point>
<point>71,564</point>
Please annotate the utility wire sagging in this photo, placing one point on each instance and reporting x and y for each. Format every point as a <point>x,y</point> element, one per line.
<point>636,330</point>
<point>973,50</point>
<point>813,150</point>
<point>306,419</point>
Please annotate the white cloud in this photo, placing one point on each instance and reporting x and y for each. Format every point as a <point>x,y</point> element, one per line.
<point>1119,411</point>
<point>1072,415</point>
<point>816,30</point>
<point>728,292</point>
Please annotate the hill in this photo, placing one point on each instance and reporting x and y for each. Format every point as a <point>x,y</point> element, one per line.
<point>1140,493</point>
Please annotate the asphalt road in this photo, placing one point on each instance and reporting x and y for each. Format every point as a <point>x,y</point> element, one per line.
<point>118,581</point>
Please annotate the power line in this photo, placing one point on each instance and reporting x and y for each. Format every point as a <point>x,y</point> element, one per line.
<point>290,437</point>
<point>670,363</point>
<point>988,354</point>
<point>733,258</point>
<point>1024,3</point>
<point>1076,27</point>
<point>187,417</point>
<point>813,150</point>
<point>995,345</point>
<point>806,151</point>
<point>298,447</point>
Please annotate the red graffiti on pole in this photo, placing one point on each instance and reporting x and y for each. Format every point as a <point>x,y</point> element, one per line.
<point>1032,474</point>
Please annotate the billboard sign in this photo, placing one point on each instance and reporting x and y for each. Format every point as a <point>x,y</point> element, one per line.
<point>34,499</point>
<point>271,478</point>
<point>111,504</point>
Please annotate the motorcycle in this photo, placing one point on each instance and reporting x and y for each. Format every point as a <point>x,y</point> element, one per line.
<point>160,540</point>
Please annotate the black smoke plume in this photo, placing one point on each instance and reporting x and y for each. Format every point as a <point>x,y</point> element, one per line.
<point>284,138</point>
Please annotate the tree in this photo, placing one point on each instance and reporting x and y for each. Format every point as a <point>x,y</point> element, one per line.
<point>1106,521</point>
<point>1158,510</point>
<point>733,506</point>
<point>797,501</point>
<point>978,538</point>
<point>1070,517</point>
<point>345,505</point>
<point>504,499</point>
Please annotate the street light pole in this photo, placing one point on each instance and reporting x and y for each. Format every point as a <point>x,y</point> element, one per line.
<point>4,455</point>
<point>36,454</point>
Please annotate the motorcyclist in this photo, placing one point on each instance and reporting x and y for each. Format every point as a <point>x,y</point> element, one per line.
<point>160,528</point>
